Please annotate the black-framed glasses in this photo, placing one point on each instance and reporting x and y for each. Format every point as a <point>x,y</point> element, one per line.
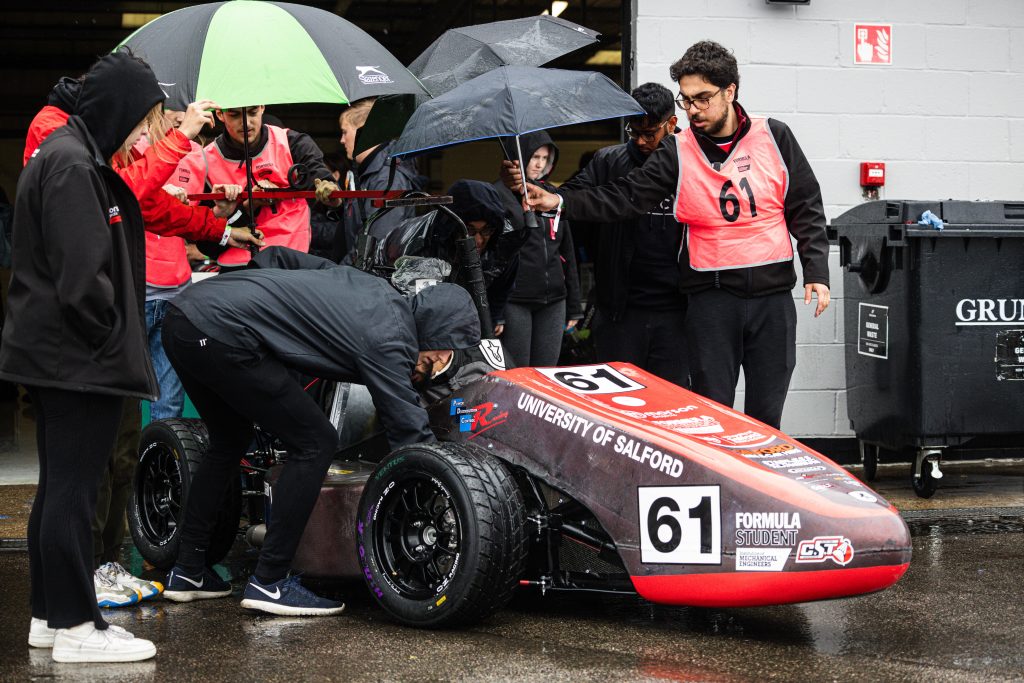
<point>485,231</point>
<point>646,135</point>
<point>702,103</point>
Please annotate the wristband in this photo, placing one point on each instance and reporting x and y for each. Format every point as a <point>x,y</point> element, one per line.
<point>558,217</point>
<point>225,237</point>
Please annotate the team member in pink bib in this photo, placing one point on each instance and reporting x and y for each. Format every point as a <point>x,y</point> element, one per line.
<point>274,151</point>
<point>746,191</point>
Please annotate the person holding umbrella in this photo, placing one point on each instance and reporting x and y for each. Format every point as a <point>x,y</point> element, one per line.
<point>745,189</point>
<point>545,299</point>
<point>75,337</point>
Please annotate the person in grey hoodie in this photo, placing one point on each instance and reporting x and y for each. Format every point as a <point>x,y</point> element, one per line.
<point>235,341</point>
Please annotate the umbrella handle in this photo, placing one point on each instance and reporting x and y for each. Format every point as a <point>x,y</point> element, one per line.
<point>529,217</point>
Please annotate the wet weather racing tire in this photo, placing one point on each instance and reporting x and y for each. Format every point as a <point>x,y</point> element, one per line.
<point>441,535</point>
<point>169,454</point>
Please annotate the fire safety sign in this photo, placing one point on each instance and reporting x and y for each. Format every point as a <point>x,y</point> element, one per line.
<point>872,44</point>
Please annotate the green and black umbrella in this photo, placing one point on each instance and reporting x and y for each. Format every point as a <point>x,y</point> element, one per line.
<point>248,52</point>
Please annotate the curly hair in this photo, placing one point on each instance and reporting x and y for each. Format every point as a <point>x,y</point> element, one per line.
<point>708,59</point>
<point>656,101</point>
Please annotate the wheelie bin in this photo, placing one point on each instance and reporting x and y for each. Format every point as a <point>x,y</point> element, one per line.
<point>934,327</point>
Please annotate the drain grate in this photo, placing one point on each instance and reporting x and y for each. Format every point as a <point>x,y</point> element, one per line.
<point>995,520</point>
<point>13,543</point>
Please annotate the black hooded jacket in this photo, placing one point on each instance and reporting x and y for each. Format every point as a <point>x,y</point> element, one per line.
<point>636,264</point>
<point>337,323</point>
<point>631,196</point>
<point>75,308</point>
<point>547,260</point>
<point>432,234</point>
<point>64,95</point>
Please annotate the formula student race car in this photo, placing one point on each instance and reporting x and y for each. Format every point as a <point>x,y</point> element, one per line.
<point>599,477</point>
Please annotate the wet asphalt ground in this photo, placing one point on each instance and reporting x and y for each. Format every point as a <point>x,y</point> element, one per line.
<point>957,615</point>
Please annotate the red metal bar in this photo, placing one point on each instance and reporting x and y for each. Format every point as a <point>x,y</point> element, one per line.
<point>301,194</point>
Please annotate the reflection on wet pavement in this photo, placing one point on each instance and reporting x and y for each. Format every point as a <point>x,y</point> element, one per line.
<point>956,615</point>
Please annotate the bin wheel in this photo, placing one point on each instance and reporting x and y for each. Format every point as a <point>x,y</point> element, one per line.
<point>926,474</point>
<point>869,460</point>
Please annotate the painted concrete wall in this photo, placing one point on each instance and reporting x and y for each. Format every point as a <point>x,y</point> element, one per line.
<point>947,117</point>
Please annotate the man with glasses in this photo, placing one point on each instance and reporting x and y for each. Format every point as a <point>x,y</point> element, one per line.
<point>745,189</point>
<point>640,312</point>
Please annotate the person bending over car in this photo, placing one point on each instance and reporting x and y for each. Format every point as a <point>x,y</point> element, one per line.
<point>236,340</point>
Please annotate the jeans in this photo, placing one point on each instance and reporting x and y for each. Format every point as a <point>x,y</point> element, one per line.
<point>172,397</point>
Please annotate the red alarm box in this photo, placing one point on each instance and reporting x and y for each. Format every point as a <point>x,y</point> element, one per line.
<point>872,173</point>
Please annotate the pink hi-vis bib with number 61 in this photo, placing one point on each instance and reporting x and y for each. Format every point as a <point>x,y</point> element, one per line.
<point>736,214</point>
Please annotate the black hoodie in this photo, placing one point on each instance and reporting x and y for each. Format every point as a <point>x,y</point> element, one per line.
<point>75,308</point>
<point>547,261</point>
<point>64,95</point>
<point>338,323</point>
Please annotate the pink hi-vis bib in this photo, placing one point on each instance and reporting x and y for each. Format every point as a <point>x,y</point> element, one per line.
<point>287,225</point>
<point>736,215</point>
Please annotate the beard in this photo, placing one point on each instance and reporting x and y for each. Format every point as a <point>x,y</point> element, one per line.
<point>714,127</point>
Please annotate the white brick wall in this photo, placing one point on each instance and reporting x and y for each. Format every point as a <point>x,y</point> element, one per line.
<point>947,117</point>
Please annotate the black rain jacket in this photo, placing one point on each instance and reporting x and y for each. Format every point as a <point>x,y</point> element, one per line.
<point>547,264</point>
<point>645,187</point>
<point>337,323</point>
<point>75,309</point>
<point>372,174</point>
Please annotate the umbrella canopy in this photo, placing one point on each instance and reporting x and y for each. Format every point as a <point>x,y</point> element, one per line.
<point>513,100</point>
<point>247,52</point>
<point>462,54</point>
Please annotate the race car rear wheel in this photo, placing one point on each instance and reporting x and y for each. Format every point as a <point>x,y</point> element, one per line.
<point>169,453</point>
<point>441,535</point>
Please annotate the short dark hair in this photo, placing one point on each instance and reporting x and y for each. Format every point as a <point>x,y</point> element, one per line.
<point>656,101</point>
<point>708,59</point>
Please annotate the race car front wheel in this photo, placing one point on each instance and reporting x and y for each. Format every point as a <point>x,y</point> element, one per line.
<point>441,535</point>
<point>169,453</point>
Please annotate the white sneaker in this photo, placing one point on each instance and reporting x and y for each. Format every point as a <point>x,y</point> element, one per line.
<point>86,643</point>
<point>117,574</point>
<point>40,635</point>
<point>109,593</point>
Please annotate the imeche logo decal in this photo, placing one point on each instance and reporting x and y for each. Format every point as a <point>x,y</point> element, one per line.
<point>989,312</point>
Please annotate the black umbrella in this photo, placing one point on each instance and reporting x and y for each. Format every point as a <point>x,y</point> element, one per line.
<point>462,54</point>
<point>512,101</point>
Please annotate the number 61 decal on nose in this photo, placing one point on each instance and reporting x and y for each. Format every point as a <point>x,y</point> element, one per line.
<point>680,524</point>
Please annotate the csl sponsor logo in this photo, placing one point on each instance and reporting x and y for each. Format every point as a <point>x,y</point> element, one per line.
<point>372,75</point>
<point>989,312</point>
<point>838,549</point>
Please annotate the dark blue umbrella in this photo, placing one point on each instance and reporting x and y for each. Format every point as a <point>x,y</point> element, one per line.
<point>512,101</point>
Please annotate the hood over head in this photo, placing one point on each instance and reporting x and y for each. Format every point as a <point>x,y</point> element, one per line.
<point>530,143</point>
<point>473,200</point>
<point>117,93</point>
<point>64,95</point>
<point>445,318</point>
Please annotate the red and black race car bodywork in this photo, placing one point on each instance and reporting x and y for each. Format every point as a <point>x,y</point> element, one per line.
<point>704,506</point>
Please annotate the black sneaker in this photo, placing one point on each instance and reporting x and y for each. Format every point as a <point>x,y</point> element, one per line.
<point>287,597</point>
<point>182,587</point>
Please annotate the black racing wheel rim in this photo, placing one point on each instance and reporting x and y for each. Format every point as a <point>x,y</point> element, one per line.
<point>419,537</point>
<point>159,493</point>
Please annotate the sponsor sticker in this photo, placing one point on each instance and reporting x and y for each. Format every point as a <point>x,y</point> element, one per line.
<point>838,549</point>
<point>787,463</point>
<point>767,528</point>
<point>761,559</point>
<point>862,496</point>
<point>680,524</point>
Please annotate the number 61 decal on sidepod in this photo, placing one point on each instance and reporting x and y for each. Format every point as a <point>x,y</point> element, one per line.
<point>591,379</point>
<point>680,524</point>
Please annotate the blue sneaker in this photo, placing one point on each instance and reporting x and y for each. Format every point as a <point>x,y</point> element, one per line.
<point>287,597</point>
<point>182,587</point>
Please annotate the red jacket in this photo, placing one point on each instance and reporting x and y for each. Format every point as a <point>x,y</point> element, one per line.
<point>162,213</point>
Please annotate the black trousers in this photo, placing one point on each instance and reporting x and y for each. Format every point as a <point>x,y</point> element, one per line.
<point>233,388</point>
<point>726,332</point>
<point>75,433</point>
<point>652,340</point>
<point>115,492</point>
